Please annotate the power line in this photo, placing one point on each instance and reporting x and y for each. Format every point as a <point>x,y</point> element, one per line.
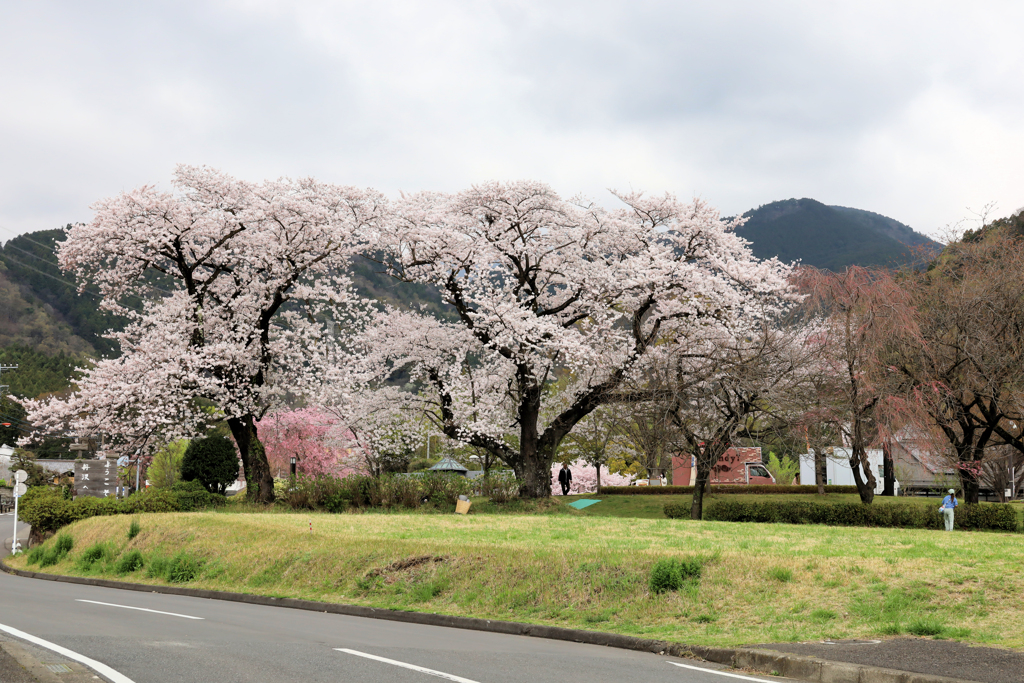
<point>54,263</point>
<point>54,277</point>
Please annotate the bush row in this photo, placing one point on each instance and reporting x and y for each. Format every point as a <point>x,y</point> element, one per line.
<point>996,517</point>
<point>46,509</point>
<point>715,490</point>
<point>439,489</point>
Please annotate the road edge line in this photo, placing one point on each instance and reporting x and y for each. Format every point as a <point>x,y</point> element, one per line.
<point>771,662</point>
<point>105,670</point>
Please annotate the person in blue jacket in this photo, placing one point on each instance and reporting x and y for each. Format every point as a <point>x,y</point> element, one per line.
<point>948,503</point>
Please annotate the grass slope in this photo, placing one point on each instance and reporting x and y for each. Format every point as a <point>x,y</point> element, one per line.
<point>759,582</point>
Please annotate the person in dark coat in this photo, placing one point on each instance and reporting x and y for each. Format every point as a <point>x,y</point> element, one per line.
<point>565,478</point>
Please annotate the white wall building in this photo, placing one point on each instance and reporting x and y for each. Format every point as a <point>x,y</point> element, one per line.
<point>838,472</point>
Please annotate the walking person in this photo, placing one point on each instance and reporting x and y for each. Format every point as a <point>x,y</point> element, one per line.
<point>948,503</point>
<point>565,478</point>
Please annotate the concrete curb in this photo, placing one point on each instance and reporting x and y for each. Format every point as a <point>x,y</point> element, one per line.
<point>766,661</point>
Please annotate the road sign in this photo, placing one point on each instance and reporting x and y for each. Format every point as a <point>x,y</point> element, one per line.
<point>20,476</point>
<point>96,478</point>
<point>19,490</point>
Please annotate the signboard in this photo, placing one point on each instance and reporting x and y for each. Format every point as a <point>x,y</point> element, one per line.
<point>97,478</point>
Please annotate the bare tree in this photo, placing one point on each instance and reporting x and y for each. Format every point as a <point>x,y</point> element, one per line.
<point>731,392</point>
<point>963,369</point>
<point>865,312</point>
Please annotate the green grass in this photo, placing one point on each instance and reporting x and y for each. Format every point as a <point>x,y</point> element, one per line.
<point>756,583</point>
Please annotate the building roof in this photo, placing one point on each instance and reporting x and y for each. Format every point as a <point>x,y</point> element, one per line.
<point>449,465</point>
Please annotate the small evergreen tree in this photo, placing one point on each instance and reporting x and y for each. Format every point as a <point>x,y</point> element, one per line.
<point>213,461</point>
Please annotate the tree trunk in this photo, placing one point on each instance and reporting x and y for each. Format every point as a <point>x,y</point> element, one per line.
<point>888,472</point>
<point>533,471</point>
<point>820,470</point>
<point>700,485</point>
<point>859,460</point>
<point>598,468</point>
<point>971,485</point>
<point>259,481</point>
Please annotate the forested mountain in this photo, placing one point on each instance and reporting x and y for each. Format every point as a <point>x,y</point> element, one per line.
<point>832,237</point>
<point>28,261</point>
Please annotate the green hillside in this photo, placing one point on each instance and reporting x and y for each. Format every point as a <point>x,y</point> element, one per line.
<point>831,237</point>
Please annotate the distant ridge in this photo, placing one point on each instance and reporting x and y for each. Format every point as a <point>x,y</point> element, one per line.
<point>832,237</point>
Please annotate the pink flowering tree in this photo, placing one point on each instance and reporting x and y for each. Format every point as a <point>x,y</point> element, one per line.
<point>234,277</point>
<point>586,478</point>
<point>308,435</point>
<point>539,286</point>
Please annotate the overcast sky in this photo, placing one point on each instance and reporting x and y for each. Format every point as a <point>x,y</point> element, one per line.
<point>913,110</point>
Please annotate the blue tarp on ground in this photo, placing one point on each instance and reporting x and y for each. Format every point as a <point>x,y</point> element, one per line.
<point>580,504</point>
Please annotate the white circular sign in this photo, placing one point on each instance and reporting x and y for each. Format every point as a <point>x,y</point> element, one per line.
<point>19,490</point>
<point>20,476</point>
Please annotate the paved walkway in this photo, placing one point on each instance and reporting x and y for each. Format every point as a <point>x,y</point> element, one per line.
<point>919,655</point>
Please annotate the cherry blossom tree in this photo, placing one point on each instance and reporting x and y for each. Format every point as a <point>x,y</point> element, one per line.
<point>586,478</point>
<point>382,427</point>
<point>542,285</point>
<point>234,277</point>
<point>311,436</point>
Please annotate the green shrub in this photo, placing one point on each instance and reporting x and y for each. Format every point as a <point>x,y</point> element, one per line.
<point>129,562</point>
<point>677,511</point>
<point>500,487</point>
<point>717,490</point>
<point>36,555</point>
<point>670,574</point>
<point>45,508</point>
<point>212,461</point>
<point>157,568</point>
<point>997,517</point>
<point>442,488</point>
<point>134,528</point>
<point>182,568</point>
<point>93,554</point>
<point>64,544</point>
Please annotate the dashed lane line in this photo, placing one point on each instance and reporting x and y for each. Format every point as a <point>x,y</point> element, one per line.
<point>141,609</point>
<point>404,665</point>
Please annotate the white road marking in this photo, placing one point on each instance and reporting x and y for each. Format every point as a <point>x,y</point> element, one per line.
<point>142,609</point>
<point>439,674</point>
<point>720,673</point>
<point>98,667</point>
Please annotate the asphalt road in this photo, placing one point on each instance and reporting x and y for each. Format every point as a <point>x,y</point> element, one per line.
<point>193,639</point>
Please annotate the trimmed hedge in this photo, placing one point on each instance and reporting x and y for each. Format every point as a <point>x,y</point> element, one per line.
<point>995,517</point>
<point>714,490</point>
<point>673,511</point>
<point>46,510</point>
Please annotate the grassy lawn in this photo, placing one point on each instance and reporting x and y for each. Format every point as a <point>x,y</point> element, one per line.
<point>589,569</point>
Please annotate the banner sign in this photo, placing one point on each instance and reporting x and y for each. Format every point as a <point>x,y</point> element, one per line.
<point>97,478</point>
